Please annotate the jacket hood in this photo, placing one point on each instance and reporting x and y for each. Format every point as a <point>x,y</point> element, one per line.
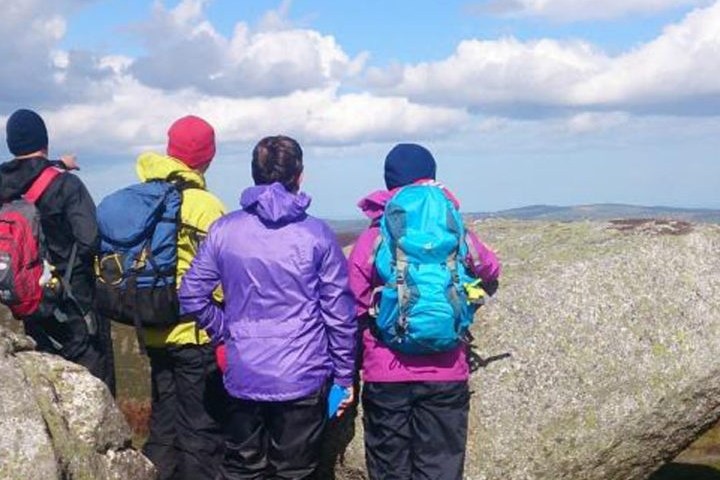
<point>153,166</point>
<point>274,204</point>
<point>17,175</point>
<point>374,204</point>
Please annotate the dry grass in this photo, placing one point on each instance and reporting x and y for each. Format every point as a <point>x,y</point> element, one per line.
<point>137,414</point>
<point>706,447</point>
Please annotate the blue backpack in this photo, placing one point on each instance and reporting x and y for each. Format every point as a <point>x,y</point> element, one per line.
<point>423,307</point>
<point>137,263</point>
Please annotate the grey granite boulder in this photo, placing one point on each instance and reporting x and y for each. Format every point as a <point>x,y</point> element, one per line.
<point>597,360</point>
<point>26,450</point>
<point>59,422</point>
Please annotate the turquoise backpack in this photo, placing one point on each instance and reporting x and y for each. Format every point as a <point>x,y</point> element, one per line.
<point>423,307</point>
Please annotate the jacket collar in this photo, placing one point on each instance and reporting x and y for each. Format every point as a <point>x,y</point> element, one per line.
<point>153,166</point>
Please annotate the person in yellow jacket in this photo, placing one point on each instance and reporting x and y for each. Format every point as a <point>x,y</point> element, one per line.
<point>185,440</point>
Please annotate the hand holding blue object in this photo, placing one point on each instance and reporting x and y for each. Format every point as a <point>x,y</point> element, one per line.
<point>335,397</point>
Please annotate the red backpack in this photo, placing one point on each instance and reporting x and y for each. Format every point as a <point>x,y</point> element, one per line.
<point>22,248</point>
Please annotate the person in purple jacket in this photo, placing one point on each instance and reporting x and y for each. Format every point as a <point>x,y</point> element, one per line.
<point>415,407</point>
<point>287,323</point>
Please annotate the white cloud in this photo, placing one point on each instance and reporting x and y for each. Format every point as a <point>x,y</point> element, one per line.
<point>106,105</point>
<point>136,117</point>
<point>358,118</point>
<point>34,71</point>
<point>186,11</point>
<point>483,73</point>
<point>678,72</point>
<point>682,64</point>
<point>277,19</point>
<point>185,51</point>
<point>593,122</point>
<point>569,10</point>
<point>281,79</point>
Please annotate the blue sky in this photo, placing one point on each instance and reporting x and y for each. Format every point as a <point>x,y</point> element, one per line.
<point>521,101</point>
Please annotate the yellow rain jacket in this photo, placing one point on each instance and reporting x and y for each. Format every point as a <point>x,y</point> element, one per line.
<point>199,209</point>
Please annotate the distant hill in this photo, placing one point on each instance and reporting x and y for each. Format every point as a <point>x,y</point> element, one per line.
<point>352,225</point>
<point>605,211</point>
<point>348,230</point>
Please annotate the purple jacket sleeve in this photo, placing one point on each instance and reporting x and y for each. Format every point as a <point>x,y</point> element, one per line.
<point>483,261</point>
<point>338,312</point>
<point>196,291</point>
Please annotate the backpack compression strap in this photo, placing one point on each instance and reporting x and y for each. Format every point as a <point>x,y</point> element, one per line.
<point>41,183</point>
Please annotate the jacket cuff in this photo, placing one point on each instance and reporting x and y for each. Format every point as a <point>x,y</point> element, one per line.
<point>343,382</point>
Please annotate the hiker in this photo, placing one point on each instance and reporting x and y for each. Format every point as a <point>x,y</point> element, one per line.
<point>415,381</point>
<point>287,323</point>
<point>185,440</point>
<point>67,325</point>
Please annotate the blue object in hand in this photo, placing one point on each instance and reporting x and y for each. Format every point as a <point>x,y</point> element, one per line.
<point>335,397</point>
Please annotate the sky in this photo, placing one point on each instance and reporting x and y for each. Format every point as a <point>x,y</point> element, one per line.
<point>521,102</point>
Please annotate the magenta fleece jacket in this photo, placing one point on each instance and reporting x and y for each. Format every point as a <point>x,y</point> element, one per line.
<point>380,363</point>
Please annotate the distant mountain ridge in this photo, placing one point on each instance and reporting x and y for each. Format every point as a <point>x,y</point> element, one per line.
<point>602,211</point>
<point>599,211</point>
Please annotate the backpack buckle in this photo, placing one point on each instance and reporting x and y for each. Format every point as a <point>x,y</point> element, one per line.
<point>140,262</point>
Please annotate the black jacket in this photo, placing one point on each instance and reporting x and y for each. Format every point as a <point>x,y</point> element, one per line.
<point>67,215</point>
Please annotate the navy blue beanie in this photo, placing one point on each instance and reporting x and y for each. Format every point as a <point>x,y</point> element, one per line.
<point>26,133</point>
<point>407,163</point>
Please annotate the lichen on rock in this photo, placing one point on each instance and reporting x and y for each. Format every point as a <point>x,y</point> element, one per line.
<point>57,421</point>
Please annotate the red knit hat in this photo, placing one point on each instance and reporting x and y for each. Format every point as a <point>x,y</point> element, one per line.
<point>192,141</point>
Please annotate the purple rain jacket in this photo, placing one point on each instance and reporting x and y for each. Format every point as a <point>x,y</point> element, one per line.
<point>288,318</point>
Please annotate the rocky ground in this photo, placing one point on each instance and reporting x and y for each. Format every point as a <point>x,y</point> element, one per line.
<point>597,359</point>
<point>58,422</point>
<point>611,328</point>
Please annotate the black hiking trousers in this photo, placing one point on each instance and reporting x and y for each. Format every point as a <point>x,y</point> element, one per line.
<point>275,440</point>
<point>415,430</point>
<point>186,422</point>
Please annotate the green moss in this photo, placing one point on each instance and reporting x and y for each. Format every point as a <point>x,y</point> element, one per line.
<point>75,458</point>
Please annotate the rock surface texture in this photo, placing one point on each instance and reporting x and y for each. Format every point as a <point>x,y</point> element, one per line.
<point>598,358</point>
<point>59,422</point>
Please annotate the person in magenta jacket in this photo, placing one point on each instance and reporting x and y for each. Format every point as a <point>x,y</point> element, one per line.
<point>415,407</point>
<point>287,322</point>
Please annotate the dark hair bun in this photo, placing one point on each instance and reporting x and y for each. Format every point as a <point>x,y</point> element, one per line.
<point>277,159</point>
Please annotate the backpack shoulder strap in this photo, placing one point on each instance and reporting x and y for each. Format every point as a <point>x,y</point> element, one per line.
<point>41,183</point>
